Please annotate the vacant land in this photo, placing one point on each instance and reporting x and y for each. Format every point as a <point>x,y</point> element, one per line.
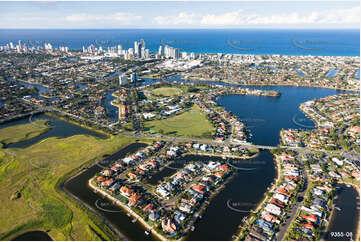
<point>167,91</point>
<point>30,196</point>
<point>191,124</point>
<point>19,133</point>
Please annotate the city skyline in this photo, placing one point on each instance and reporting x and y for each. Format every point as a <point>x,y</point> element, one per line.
<point>179,15</point>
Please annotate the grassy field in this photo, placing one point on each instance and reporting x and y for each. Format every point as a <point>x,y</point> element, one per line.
<point>191,124</point>
<point>19,133</point>
<point>167,91</point>
<point>30,196</point>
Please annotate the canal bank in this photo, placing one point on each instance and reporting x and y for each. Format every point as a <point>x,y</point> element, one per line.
<point>344,225</point>
<point>78,187</point>
<point>33,235</point>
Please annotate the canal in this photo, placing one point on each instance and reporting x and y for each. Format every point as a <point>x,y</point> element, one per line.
<point>33,236</point>
<point>346,214</point>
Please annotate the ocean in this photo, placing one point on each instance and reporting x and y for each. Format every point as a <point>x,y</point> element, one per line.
<point>233,41</point>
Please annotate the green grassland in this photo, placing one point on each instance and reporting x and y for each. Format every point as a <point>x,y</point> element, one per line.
<point>19,133</point>
<point>167,91</point>
<point>30,193</point>
<point>192,123</point>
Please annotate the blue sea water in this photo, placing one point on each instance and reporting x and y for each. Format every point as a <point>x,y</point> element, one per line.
<point>240,41</point>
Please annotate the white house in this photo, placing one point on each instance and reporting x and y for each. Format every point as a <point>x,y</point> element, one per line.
<point>271,208</point>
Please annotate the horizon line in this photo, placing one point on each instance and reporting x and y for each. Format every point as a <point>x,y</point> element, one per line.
<point>143,28</point>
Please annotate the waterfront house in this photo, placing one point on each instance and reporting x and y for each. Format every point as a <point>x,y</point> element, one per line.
<point>125,191</point>
<point>311,218</point>
<point>319,203</point>
<point>107,172</point>
<point>267,226</point>
<point>258,233</point>
<point>185,207</point>
<point>101,178</point>
<point>115,187</point>
<point>219,174</point>
<point>168,226</point>
<point>281,197</point>
<point>179,216</point>
<point>134,199</point>
<point>318,192</point>
<point>269,217</point>
<point>154,216</point>
<point>149,208</point>
<point>199,188</point>
<point>283,191</point>
<point>308,226</point>
<point>277,202</point>
<point>107,183</point>
<point>273,209</point>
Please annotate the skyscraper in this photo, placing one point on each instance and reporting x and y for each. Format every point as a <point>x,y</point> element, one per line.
<point>136,48</point>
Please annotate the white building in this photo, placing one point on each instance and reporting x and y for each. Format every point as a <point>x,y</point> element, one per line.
<point>123,80</point>
<point>271,208</point>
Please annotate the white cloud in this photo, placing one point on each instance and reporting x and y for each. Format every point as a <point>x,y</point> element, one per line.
<point>119,17</point>
<point>181,18</point>
<point>232,18</point>
<point>242,17</point>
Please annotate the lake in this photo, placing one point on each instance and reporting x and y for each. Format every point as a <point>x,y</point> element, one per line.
<point>59,128</point>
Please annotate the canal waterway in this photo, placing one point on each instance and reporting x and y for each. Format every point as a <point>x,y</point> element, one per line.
<point>346,214</point>
<point>33,236</point>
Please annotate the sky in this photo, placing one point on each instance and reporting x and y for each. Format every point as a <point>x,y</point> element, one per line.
<point>180,15</point>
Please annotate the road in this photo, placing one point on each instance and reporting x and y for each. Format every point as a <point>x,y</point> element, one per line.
<point>291,215</point>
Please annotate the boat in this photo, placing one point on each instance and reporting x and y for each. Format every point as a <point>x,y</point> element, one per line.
<point>192,228</point>
<point>134,220</point>
<point>338,209</point>
<point>147,232</point>
<point>128,214</point>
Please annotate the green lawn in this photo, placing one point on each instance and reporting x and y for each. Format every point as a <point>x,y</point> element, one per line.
<point>167,91</point>
<point>19,133</point>
<point>30,196</point>
<point>191,124</point>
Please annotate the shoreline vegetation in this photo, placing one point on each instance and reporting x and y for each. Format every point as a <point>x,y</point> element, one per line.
<point>19,133</point>
<point>64,118</point>
<point>283,84</point>
<point>96,228</point>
